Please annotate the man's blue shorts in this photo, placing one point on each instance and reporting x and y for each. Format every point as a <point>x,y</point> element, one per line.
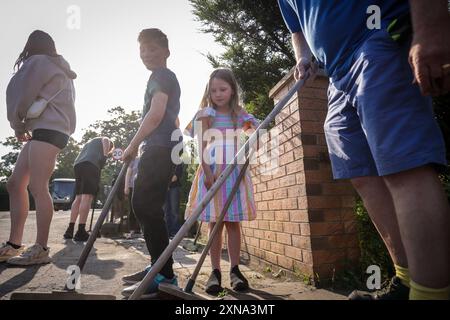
<point>378,123</point>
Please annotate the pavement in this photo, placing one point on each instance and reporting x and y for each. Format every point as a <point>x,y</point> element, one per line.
<point>111,259</point>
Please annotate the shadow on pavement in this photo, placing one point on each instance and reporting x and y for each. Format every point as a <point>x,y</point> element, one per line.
<point>18,280</point>
<point>104,269</point>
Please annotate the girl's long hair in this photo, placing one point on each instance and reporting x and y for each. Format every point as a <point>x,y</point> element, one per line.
<point>235,103</point>
<point>39,42</point>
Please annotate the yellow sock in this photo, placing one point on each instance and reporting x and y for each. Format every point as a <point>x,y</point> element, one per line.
<point>403,274</point>
<point>419,292</point>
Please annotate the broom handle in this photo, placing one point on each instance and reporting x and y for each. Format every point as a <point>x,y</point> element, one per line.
<point>167,253</point>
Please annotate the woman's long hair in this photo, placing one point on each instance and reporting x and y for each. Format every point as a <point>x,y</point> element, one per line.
<point>227,76</point>
<point>39,42</point>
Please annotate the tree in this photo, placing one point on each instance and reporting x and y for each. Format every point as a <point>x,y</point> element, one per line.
<point>257,45</point>
<point>9,160</point>
<point>65,160</point>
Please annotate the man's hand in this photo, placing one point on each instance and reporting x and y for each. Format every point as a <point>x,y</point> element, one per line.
<point>429,55</point>
<point>130,153</point>
<point>305,65</point>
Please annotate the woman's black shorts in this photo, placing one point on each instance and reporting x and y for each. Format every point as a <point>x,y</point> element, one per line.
<point>56,138</point>
<point>87,178</point>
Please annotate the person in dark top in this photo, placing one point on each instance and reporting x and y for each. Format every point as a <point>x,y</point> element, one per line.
<point>87,167</point>
<point>172,206</point>
<point>156,167</point>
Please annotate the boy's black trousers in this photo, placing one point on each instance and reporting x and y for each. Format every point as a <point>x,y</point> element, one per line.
<point>155,171</point>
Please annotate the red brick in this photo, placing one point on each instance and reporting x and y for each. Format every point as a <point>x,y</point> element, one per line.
<point>280,193</point>
<point>296,191</point>
<point>326,228</point>
<point>287,181</point>
<point>263,225</point>
<point>293,252</point>
<point>271,257</point>
<point>268,215</point>
<point>328,256</point>
<point>260,187</point>
<point>275,204</point>
<point>338,189</point>
<point>282,215</point>
<point>351,227</point>
<point>276,226</point>
<point>344,241</point>
<point>302,202</point>
<point>283,238</point>
<point>248,232</point>
<point>298,153</point>
<point>321,202</point>
<point>289,203</point>
<point>277,248</point>
<point>270,236</point>
<point>301,242</point>
<point>307,257</point>
<point>262,205</point>
<point>264,245</point>
<point>299,215</point>
<point>286,158</point>
<point>318,176</point>
<point>267,195</point>
<point>300,178</point>
<point>286,262</point>
<point>254,242</point>
<point>258,234</point>
<point>305,229</point>
<point>313,151</point>
<point>274,184</point>
<point>314,115</point>
<point>294,167</point>
<point>257,197</point>
<point>309,127</point>
<point>291,227</point>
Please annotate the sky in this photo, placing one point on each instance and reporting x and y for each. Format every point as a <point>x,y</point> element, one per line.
<point>99,40</point>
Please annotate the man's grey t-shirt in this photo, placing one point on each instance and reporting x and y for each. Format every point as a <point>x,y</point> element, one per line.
<point>163,80</point>
<point>92,152</point>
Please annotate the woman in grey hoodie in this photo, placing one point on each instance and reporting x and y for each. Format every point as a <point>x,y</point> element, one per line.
<point>42,73</point>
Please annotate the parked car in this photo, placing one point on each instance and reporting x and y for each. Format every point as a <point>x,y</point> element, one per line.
<point>62,191</point>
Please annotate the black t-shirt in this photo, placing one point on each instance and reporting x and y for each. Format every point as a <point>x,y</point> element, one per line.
<point>163,80</point>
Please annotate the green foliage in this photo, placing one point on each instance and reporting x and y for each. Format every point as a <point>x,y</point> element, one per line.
<point>9,160</point>
<point>65,160</point>
<point>257,45</point>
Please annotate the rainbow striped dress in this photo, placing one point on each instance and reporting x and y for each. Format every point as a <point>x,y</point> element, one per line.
<point>221,152</point>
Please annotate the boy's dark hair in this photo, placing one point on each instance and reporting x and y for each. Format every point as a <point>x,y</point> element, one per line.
<point>154,35</point>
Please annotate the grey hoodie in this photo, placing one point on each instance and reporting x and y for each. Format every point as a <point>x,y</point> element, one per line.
<point>42,76</point>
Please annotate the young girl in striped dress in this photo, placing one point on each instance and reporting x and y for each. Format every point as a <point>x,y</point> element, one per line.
<point>221,115</point>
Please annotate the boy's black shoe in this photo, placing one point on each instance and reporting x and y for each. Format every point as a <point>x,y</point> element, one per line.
<point>214,284</point>
<point>81,235</point>
<point>237,279</point>
<point>392,289</point>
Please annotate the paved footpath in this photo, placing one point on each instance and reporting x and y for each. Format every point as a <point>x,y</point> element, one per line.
<point>110,259</point>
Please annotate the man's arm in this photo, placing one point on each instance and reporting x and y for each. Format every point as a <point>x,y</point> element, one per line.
<point>151,121</point>
<point>429,55</point>
<point>106,146</point>
<point>303,55</point>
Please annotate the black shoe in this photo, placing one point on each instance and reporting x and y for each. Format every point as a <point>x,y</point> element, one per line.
<point>81,235</point>
<point>135,277</point>
<point>214,284</point>
<point>69,233</point>
<point>237,279</point>
<point>392,289</point>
